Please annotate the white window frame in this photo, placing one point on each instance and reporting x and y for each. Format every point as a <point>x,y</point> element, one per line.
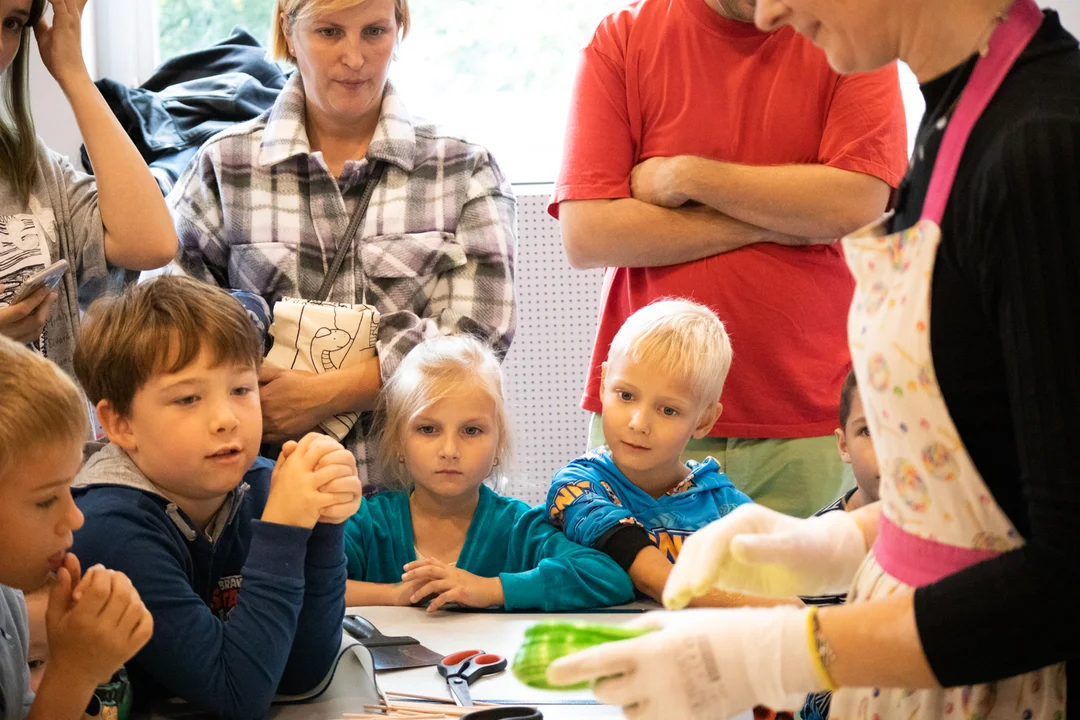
<point>126,40</point>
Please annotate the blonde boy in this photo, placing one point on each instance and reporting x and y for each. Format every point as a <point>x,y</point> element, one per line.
<point>96,621</point>
<point>240,562</point>
<point>635,498</point>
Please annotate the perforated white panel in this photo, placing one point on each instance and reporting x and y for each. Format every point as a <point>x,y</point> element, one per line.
<point>546,366</point>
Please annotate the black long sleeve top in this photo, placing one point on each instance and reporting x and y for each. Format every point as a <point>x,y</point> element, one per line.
<point>1005,336</point>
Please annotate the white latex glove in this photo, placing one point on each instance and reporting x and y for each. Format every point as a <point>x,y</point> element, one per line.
<point>757,551</point>
<point>700,664</point>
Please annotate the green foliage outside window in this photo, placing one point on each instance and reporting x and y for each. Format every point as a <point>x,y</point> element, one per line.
<point>499,71</point>
<point>185,25</point>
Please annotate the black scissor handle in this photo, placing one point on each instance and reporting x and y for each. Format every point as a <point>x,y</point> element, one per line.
<point>508,712</point>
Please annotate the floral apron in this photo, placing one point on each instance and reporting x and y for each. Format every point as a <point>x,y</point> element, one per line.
<point>937,515</point>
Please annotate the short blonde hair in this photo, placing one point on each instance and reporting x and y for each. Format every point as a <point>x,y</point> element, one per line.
<point>679,338</point>
<point>296,10</point>
<point>159,326</point>
<point>429,373</point>
<point>41,405</point>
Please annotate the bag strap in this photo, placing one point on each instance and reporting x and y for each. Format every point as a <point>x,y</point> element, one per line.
<point>346,241</point>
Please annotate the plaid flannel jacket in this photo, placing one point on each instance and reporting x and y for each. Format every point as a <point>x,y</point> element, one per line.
<point>257,210</point>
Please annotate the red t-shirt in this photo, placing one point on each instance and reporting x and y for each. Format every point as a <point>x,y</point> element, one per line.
<point>673,77</point>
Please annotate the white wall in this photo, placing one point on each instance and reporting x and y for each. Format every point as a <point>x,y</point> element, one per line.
<point>1070,13</point>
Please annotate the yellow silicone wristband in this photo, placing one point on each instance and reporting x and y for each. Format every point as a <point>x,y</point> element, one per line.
<point>815,655</point>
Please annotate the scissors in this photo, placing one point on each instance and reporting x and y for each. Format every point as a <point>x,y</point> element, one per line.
<point>463,668</point>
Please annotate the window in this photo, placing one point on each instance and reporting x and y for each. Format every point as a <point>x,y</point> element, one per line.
<point>186,25</point>
<point>499,72</point>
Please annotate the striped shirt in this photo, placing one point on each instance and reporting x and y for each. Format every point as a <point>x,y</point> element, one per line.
<point>258,210</point>
<point>817,704</point>
<point>839,505</point>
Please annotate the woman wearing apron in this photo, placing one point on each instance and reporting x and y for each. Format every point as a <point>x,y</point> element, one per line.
<point>964,338</point>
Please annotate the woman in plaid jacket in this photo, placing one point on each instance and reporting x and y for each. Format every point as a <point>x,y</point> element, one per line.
<point>262,206</point>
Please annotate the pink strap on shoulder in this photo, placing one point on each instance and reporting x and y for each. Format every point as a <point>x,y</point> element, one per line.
<point>1006,44</point>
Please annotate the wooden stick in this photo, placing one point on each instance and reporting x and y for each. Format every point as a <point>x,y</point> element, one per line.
<point>391,713</point>
<point>397,712</point>
<point>420,709</point>
<point>428,711</point>
<point>415,696</point>
<point>453,710</point>
<point>433,698</point>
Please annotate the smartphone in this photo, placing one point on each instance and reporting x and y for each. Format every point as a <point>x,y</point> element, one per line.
<point>50,277</point>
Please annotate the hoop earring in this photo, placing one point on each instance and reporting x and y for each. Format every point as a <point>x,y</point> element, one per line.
<point>496,463</point>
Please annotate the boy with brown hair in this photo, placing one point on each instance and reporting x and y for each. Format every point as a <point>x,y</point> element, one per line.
<point>856,448</point>
<point>95,621</point>
<point>240,562</point>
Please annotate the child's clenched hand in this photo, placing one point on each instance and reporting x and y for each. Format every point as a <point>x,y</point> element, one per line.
<point>95,623</point>
<point>347,491</point>
<point>347,488</point>
<point>312,477</point>
<point>450,584</point>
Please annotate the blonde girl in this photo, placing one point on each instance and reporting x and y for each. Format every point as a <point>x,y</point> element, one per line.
<point>441,534</point>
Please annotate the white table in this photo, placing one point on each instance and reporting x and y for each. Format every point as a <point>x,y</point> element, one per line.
<point>353,685</point>
<point>500,633</point>
<point>447,632</point>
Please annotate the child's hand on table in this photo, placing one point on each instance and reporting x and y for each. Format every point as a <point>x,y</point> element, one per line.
<point>402,594</point>
<point>449,584</point>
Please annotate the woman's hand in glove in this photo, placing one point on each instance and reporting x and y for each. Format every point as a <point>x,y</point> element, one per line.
<point>701,664</point>
<point>758,551</point>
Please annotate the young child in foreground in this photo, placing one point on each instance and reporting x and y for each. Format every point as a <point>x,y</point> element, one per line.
<point>241,562</point>
<point>96,620</point>
<point>635,499</point>
<point>443,534</point>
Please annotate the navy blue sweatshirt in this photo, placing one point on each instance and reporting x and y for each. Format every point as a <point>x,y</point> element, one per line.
<point>241,611</point>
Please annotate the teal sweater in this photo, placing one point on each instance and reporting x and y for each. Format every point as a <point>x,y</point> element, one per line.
<point>539,567</point>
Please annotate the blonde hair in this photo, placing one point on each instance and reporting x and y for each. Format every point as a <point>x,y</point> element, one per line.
<point>679,338</point>
<point>296,10</point>
<point>41,405</point>
<point>159,326</point>
<point>429,373</point>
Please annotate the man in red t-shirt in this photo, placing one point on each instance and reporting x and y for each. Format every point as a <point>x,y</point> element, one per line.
<point>706,159</point>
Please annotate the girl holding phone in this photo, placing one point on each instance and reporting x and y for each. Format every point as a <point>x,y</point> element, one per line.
<point>49,211</point>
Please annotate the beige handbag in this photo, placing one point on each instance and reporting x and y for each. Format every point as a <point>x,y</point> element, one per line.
<point>320,336</point>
